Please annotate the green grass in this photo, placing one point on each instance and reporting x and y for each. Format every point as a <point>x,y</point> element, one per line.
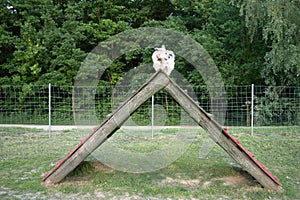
<point>26,154</point>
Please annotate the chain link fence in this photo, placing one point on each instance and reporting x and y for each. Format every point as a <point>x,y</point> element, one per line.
<point>262,107</point>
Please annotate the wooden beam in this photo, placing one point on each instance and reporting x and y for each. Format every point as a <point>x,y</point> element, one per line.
<point>222,138</point>
<point>157,82</point>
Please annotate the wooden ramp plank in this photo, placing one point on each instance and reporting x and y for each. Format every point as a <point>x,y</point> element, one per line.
<point>157,82</point>
<point>223,138</point>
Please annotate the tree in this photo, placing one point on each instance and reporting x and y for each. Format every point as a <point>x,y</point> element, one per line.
<point>48,40</point>
<point>278,22</point>
<point>22,59</point>
<point>217,26</point>
<point>7,30</point>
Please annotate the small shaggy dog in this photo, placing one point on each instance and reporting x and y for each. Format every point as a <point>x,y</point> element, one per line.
<point>163,59</point>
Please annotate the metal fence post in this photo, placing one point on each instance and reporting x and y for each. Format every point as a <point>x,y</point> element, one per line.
<point>152,116</point>
<point>49,104</point>
<point>252,108</point>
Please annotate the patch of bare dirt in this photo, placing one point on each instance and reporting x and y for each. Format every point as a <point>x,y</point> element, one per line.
<point>231,181</point>
<point>104,168</point>
<point>238,180</point>
<point>185,183</point>
<point>74,181</point>
<point>191,182</point>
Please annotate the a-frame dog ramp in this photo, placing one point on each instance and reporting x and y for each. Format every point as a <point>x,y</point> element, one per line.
<point>157,82</point>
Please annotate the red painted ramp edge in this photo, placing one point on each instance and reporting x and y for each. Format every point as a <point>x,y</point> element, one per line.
<point>251,156</point>
<point>59,163</point>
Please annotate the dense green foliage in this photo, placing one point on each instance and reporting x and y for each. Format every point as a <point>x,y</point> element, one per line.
<point>46,41</point>
<point>278,23</point>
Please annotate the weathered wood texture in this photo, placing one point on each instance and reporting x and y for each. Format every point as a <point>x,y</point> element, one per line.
<point>157,82</point>
<point>219,135</point>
